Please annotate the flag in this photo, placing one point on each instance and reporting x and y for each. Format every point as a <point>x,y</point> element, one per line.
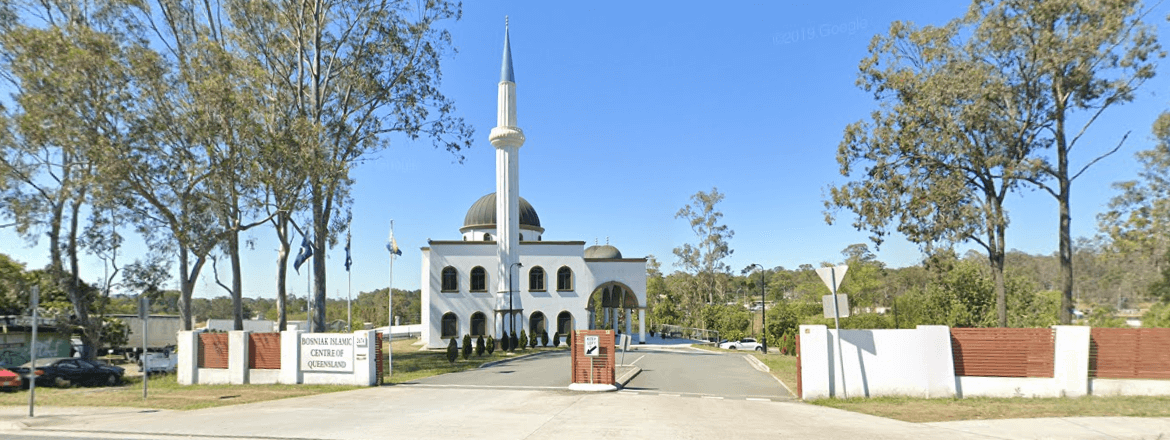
<point>304,254</point>
<point>348,260</point>
<point>392,245</point>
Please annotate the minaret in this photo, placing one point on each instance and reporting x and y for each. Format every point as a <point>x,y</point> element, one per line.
<point>507,138</point>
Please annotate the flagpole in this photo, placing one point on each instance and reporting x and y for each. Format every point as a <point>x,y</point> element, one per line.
<point>349,276</point>
<point>390,300</point>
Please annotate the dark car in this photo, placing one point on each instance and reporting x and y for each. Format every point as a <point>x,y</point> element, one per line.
<point>71,371</point>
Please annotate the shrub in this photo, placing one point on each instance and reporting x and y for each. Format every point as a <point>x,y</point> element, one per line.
<point>523,339</point>
<point>491,344</point>
<point>556,340</point>
<point>505,342</point>
<point>452,351</point>
<point>569,340</point>
<point>534,340</point>
<point>514,341</point>
<point>544,338</point>
<point>466,346</point>
<point>479,346</point>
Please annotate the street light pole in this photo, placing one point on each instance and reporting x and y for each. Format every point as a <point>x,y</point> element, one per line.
<point>763,307</point>
<point>511,318</point>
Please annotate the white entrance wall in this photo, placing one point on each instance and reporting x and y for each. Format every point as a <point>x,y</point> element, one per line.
<point>919,363</point>
<point>359,355</point>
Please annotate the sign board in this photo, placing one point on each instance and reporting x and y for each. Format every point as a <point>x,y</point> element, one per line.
<point>842,305</point>
<point>591,343</point>
<point>626,342</point>
<point>832,276</point>
<point>327,352</point>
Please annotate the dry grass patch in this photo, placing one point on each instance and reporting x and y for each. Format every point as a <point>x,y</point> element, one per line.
<point>163,392</point>
<point>978,408</point>
<point>781,366</point>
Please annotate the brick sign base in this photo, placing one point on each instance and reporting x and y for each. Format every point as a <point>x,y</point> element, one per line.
<point>593,373</point>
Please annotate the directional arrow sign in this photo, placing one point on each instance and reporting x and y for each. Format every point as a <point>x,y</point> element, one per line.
<point>829,273</point>
<point>591,343</point>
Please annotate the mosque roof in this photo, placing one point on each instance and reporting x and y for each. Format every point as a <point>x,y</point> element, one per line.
<point>482,213</point>
<point>604,251</point>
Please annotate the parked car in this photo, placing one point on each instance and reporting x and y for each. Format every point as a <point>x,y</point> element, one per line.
<point>9,381</point>
<point>742,344</point>
<point>158,362</point>
<point>70,371</point>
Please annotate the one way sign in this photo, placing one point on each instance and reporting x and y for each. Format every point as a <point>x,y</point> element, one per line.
<point>591,342</point>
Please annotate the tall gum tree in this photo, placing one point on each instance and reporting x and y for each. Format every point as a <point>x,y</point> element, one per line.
<point>63,62</point>
<point>704,260</point>
<point>356,71</point>
<point>940,155</point>
<point>1078,58</point>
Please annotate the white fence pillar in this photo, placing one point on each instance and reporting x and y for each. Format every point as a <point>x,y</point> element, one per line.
<point>290,357</point>
<point>938,360</point>
<point>238,356</point>
<point>816,373</point>
<point>188,369</point>
<point>1071,360</point>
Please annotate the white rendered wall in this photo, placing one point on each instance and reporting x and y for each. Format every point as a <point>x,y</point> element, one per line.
<point>550,256</point>
<point>1129,387</point>
<point>909,362</point>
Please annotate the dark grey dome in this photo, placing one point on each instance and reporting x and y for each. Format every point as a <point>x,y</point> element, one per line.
<point>483,213</point>
<point>602,251</point>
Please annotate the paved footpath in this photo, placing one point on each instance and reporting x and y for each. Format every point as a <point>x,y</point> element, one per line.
<point>442,413</point>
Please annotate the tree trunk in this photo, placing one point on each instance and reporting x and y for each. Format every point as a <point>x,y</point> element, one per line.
<point>237,282</point>
<point>282,273</point>
<point>91,333</point>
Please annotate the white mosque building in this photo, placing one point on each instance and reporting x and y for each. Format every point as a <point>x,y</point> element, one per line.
<point>503,277</point>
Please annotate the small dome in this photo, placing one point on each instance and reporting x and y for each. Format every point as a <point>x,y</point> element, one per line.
<point>602,251</point>
<point>483,213</point>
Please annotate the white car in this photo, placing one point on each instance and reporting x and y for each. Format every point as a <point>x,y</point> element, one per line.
<point>742,344</point>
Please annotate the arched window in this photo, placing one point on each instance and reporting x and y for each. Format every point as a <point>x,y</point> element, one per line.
<point>478,279</point>
<point>478,324</point>
<point>564,278</point>
<point>537,324</point>
<point>487,237</point>
<point>564,323</point>
<point>450,279</point>
<point>450,325</point>
<point>536,279</point>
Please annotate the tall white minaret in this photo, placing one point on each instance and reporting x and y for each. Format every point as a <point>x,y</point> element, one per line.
<point>507,138</point>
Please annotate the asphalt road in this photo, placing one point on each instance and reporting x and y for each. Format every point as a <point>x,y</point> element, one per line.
<point>681,371</point>
<point>703,374</point>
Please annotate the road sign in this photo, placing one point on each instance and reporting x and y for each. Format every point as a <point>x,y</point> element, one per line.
<point>591,343</point>
<point>842,305</point>
<point>832,276</point>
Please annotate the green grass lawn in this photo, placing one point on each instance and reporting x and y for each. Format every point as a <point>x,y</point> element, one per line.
<point>411,363</point>
<point>978,408</point>
<point>164,392</point>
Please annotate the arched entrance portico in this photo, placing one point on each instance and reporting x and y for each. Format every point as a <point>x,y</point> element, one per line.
<point>611,306</point>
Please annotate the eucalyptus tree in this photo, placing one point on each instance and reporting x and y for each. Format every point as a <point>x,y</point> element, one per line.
<point>1139,216</point>
<point>63,62</point>
<point>939,157</point>
<point>1080,58</point>
<point>704,260</point>
<point>355,71</point>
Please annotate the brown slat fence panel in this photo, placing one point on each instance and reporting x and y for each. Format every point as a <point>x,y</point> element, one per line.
<point>213,350</point>
<point>1129,353</point>
<point>264,351</point>
<point>378,352</point>
<point>1003,352</point>
<point>799,382</point>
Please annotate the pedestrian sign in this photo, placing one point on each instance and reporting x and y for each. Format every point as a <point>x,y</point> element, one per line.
<point>591,343</point>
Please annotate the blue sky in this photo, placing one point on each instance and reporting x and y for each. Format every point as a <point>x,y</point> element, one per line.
<point>629,108</point>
